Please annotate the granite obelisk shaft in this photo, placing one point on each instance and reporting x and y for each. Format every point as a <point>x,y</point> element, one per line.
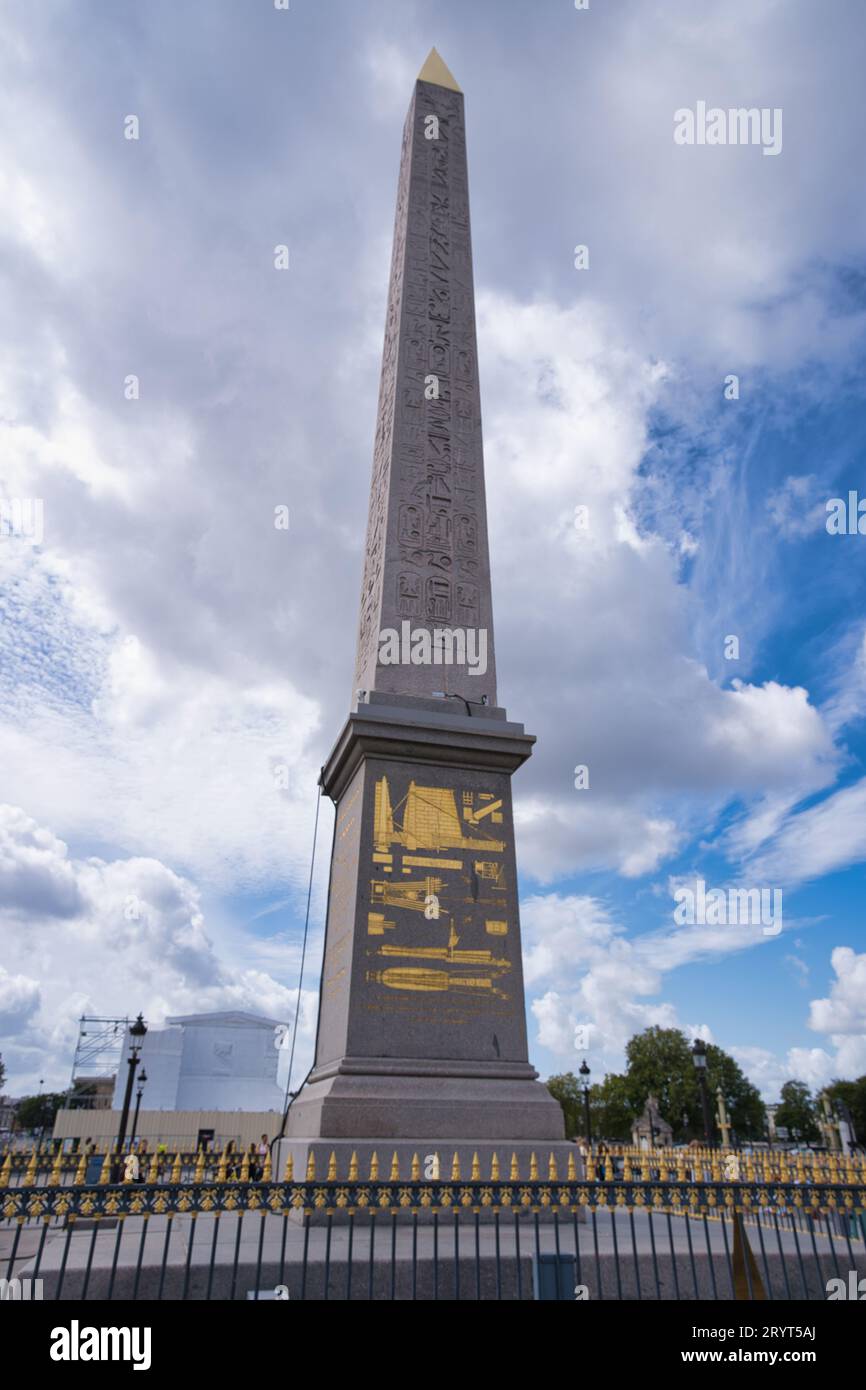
<point>422,1029</point>
<point>426,555</point>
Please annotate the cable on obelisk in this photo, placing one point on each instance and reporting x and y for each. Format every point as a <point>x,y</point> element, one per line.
<point>288,1096</point>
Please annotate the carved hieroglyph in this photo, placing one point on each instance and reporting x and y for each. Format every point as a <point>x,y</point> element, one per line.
<point>426,553</point>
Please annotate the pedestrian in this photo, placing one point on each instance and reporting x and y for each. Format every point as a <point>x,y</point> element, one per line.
<point>253,1157</point>
<point>131,1167</point>
<point>264,1150</point>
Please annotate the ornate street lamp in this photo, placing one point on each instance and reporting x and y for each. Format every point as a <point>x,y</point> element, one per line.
<point>584,1086</point>
<point>699,1057</point>
<point>142,1082</point>
<point>136,1034</point>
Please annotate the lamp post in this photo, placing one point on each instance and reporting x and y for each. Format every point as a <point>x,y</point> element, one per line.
<point>830,1125</point>
<point>136,1035</point>
<point>699,1057</point>
<point>584,1086</point>
<point>42,1114</point>
<point>142,1082</point>
<point>723,1120</point>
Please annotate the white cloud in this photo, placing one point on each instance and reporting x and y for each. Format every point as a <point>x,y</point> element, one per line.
<point>136,940</point>
<point>797,509</point>
<point>593,974</point>
<point>828,836</point>
<point>116,745</point>
<point>19,1000</point>
<point>844,1011</point>
<point>602,611</point>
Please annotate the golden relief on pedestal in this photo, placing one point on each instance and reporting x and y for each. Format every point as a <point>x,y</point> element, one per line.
<point>430,821</point>
<point>437,821</point>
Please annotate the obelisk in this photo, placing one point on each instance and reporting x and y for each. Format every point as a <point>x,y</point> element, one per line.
<point>422,1031</point>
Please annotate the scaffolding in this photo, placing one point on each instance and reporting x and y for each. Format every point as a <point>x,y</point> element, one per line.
<point>99,1048</point>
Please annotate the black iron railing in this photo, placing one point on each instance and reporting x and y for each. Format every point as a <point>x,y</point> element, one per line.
<point>475,1239</point>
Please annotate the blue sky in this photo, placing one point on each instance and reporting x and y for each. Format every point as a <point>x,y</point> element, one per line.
<point>164,651</point>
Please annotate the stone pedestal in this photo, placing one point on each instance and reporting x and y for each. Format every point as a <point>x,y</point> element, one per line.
<point>422,1030</point>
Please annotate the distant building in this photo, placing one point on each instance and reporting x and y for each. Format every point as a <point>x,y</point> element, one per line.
<point>651,1131</point>
<point>218,1061</point>
<point>8,1107</point>
<point>91,1093</point>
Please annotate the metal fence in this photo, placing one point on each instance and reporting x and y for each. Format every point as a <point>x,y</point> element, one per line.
<point>398,1239</point>
<point>52,1164</point>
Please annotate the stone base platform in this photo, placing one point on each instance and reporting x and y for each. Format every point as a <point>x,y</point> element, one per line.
<point>360,1099</point>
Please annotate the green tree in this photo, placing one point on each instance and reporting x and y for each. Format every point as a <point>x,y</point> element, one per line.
<point>660,1063</point>
<point>743,1102</point>
<point>566,1089</point>
<point>853,1095</point>
<point>612,1109</point>
<point>796,1112</point>
<point>36,1113</point>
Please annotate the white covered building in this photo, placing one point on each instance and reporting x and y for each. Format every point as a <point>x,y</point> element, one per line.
<point>219,1061</point>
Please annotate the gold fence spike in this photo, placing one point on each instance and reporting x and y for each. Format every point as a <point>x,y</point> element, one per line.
<point>55,1175</point>
<point>552,1171</point>
<point>494,1168</point>
<point>6,1171</point>
<point>353,1167</point>
<point>533,1168</point>
<point>153,1171</point>
<point>105,1170</point>
<point>30,1171</point>
<point>515,1169</point>
<point>332,1167</point>
<point>267,1167</point>
<point>222,1166</point>
<point>416,1168</point>
<point>475,1171</point>
<point>177,1172</point>
<point>571,1175</point>
<point>80,1171</point>
<point>374,1167</point>
<point>455,1168</point>
<point>311,1166</point>
<point>395,1168</point>
<point>199,1166</point>
<point>289,1171</point>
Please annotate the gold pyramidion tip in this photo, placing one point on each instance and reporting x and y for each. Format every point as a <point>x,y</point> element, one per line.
<point>435,71</point>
